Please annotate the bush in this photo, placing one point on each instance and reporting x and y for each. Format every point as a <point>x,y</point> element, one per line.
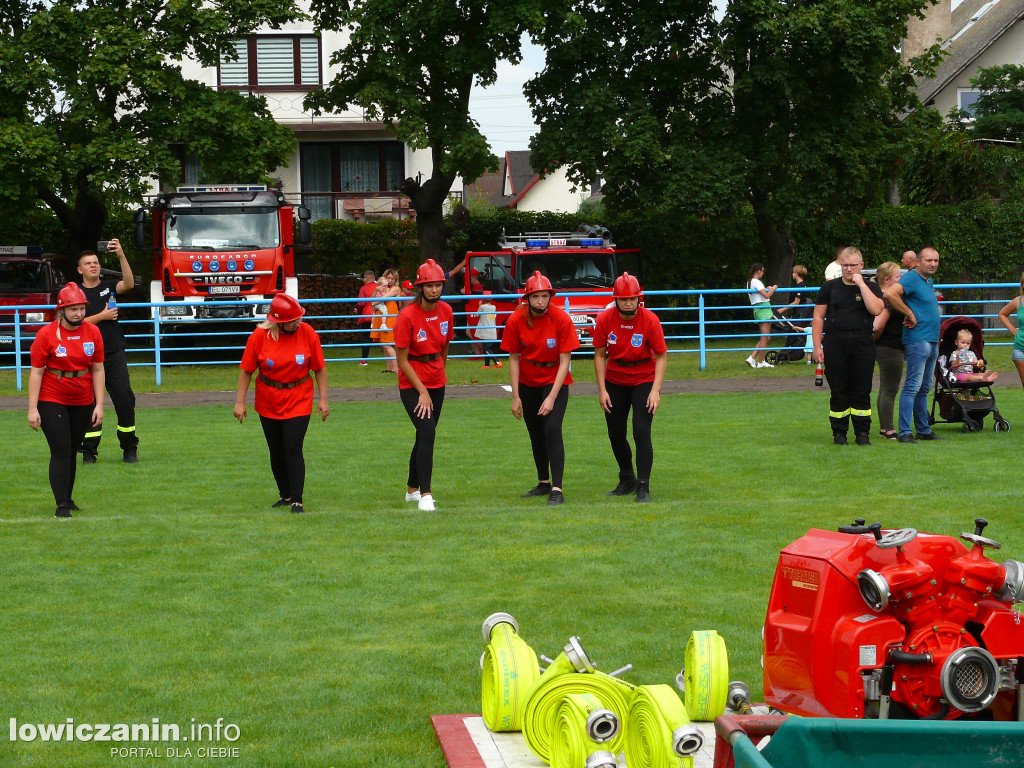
<point>342,247</point>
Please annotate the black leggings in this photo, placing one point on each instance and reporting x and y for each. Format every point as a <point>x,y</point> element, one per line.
<point>490,351</point>
<point>284,439</point>
<point>623,398</point>
<point>545,431</point>
<point>65,427</point>
<point>421,460</point>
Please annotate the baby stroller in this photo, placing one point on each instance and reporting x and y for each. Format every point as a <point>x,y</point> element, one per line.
<point>796,339</point>
<point>967,402</point>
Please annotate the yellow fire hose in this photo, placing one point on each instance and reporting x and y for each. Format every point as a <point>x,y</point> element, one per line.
<point>509,669</point>
<point>660,733</point>
<point>705,678</point>
<point>582,728</point>
<point>571,673</point>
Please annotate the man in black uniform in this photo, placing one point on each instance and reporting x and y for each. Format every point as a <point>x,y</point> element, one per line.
<point>844,309</point>
<point>102,312</point>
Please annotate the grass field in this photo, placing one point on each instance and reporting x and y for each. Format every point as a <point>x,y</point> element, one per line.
<point>331,637</point>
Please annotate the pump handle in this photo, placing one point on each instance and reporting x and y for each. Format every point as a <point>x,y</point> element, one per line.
<point>979,525</point>
<point>876,531</point>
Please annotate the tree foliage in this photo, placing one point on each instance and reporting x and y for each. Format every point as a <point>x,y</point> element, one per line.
<point>92,95</point>
<point>413,65</point>
<point>999,110</point>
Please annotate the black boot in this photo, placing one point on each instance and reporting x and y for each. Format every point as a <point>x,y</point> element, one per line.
<point>626,486</point>
<point>643,491</point>
<point>541,489</point>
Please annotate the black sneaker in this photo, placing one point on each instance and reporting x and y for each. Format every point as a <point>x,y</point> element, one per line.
<point>62,511</point>
<point>625,487</point>
<point>73,507</point>
<point>643,491</point>
<point>297,507</point>
<point>282,502</point>
<point>131,457</point>
<point>88,458</point>
<point>838,439</point>
<point>863,440</point>
<point>541,489</point>
<point>555,498</point>
<point>907,438</point>
<point>927,436</point>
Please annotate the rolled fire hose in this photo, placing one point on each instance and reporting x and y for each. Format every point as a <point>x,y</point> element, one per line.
<point>705,678</point>
<point>571,672</point>
<point>509,668</point>
<point>660,733</point>
<point>581,731</point>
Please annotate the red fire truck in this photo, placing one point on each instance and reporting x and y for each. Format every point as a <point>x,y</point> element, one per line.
<point>27,277</point>
<point>218,244</point>
<point>578,264</point>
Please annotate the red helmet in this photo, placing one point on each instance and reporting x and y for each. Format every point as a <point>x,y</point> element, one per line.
<point>429,272</point>
<point>70,295</point>
<point>537,282</point>
<point>285,309</point>
<point>626,287</point>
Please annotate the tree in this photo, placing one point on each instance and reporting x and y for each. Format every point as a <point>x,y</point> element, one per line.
<point>92,96</point>
<point>999,110</point>
<point>413,65</point>
<point>791,108</point>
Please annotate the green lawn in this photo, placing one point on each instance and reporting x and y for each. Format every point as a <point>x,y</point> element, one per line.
<point>331,637</point>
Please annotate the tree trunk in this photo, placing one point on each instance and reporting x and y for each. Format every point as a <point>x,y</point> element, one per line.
<point>778,245</point>
<point>84,224</point>
<point>428,199</point>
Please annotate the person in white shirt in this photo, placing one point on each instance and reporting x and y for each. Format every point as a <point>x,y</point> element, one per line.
<point>760,300</point>
<point>835,269</point>
<point>487,331</point>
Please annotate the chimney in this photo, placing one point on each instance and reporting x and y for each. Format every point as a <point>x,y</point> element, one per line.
<point>924,33</point>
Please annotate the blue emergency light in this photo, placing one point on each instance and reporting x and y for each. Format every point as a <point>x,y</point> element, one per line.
<point>249,265</point>
<point>591,242</point>
<point>232,265</point>
<point>197,266</point>
<point>537,243</point>
<point>214,266</point>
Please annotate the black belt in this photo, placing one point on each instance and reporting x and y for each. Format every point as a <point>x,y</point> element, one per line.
<point>424,358</point>
<point>282,384</point>
<point>67,374</point>
<point>629,363</point>
<point>539,364</point>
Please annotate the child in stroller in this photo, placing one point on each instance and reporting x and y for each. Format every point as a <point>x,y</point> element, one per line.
<point>795,332</point>
<point>969,399</point>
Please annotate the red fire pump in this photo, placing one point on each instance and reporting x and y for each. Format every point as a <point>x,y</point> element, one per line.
<point>867,624</point>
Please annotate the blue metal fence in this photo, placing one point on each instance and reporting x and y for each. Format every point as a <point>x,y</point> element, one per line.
<point>695,322</point>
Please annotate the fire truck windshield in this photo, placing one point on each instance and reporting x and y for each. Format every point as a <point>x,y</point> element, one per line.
<point>571,270</point>
<point>220,230</point>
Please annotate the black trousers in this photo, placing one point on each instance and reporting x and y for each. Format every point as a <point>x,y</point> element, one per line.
<point>623,399</point>
<point>64,427</point>
<point>421,460</point>
<point>119,387</point>
<point>490,351</point>
<point>849,366</point>
<point>545,431</point>
<point>284,439</point>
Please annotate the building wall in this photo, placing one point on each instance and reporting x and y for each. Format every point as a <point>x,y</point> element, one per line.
<point>1008,49</point>
<point>552,193</point>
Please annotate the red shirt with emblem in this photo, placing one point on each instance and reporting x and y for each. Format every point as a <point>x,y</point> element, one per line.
<point>73,350</point>
<point>290,358</point>
<point>634,340</point>
<point>552,334</point>
<point>425,333</point>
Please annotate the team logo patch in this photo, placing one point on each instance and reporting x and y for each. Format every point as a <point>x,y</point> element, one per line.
<point>637,340</point>
<point>551,343</point>
<point>270,363</point>
<point>421,335</point>
<point>444,328</point>
<point>88,347</point>
<point>61,351</point>
<point>612,339</point>
<point>300,359</point>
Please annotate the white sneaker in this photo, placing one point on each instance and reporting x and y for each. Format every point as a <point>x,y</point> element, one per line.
<point>363,362</point>
<point>765,364</point>
<point>414,496</point>
<point>751,362</point>
<point>427,504</point>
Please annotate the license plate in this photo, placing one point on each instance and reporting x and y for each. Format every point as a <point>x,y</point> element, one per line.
<point>225,289</point>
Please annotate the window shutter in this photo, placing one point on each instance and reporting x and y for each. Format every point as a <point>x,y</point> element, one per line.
<point>236,72</point>
<point>310,64</point>
<point>275,61</point>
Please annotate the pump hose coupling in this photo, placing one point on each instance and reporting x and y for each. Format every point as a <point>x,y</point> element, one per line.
<point>581,729</point>
<point>660,733</point>
<point>509,669</point>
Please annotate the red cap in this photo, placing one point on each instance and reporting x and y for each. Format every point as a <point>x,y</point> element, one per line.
<point>71,295</point>
<point>407,285</point>
<point>285,309</point>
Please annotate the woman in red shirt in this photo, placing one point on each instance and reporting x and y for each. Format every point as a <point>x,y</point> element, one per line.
<point>422,334</point>
<point>281,352</point>
<point>630,358</point>
<point>540,338</point>
<point>65,389</point>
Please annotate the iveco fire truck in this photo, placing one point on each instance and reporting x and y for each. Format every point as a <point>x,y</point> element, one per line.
<point>218,244</point>
<point>578,264</point>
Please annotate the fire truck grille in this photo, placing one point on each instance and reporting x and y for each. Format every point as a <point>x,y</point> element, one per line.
<point>969,680</point>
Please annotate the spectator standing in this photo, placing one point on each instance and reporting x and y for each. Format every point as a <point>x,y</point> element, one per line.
<point>366,312</point>
<point>65,390</point>
<point>914,297</point>
<point>540,338</point>
<point>801,303</point>
<point>889,353</point>
<point>385,314</point>
<point>834,270</point>
<point>102,312</point>
<point>424,330</point>
<point>487,331</point>
<point>281,352</point>
<point>630,358</point>
<point>1016,307</point>
<point>843,312</point>
<point>760,301</point>
<point>909,260</point>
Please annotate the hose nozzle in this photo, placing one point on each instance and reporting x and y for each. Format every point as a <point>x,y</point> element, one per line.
<point>687,740</point>
<point>602,725</point>
<point>739,697</point>
<point>601,760</point>
<point>494,620</point>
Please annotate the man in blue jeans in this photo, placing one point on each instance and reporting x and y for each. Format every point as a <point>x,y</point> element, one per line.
<point>914,296</point>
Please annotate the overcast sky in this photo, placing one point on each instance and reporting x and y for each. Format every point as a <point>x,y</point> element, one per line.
<point>502,111</point>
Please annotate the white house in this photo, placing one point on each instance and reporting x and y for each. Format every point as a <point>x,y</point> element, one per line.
<point>521,186</point>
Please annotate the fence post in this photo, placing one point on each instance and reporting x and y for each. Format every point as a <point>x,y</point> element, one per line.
<point>17,350</point>
<point>701,332</point>
<point>156,344</point>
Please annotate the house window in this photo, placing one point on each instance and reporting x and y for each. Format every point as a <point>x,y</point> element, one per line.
<point>966,98</point>
<point>360,167</point>
<point>272,62</point>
